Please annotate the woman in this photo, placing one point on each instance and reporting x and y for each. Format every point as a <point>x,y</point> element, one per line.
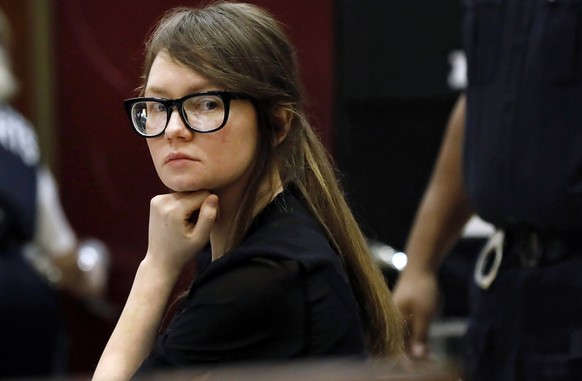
<point>289,275</point>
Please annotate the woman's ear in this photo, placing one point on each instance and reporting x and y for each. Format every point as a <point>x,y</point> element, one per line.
<point>283,115</point>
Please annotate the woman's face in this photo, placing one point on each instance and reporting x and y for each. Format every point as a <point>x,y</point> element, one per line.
<point>186,160</point>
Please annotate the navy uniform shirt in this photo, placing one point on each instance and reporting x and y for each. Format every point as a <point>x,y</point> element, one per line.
<point>19,156</point>
<point>523,137</point>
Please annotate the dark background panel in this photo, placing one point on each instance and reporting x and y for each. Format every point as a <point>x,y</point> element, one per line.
<point>392,148</point>
<point>396,48</point>
<point>393,101</point>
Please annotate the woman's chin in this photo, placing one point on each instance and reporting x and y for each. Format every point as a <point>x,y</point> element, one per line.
<point>183,187</point>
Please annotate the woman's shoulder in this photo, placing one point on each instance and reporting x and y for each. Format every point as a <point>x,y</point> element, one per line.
<point>286,229</point>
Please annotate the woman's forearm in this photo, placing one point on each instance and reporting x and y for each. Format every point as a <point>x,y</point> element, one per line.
<point>136,330</point>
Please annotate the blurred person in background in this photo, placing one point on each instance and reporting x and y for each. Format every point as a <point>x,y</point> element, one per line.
<point>512,153</point>
<point>286,273</point>
<point>40,255</point>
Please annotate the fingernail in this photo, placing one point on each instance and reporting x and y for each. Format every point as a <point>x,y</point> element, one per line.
<point>212,201</point>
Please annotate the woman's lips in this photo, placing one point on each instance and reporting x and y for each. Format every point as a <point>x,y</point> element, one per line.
<point>177,156</point>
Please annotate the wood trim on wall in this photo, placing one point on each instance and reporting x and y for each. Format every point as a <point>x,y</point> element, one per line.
<point>42,54</point>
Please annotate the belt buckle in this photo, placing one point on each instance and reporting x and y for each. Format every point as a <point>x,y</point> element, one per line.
<point>531,251</point>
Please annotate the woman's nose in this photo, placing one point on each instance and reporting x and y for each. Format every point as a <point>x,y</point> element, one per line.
<point>176,127</point>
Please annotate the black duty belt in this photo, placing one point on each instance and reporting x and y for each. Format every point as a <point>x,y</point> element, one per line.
<point>527,247</point>
<point>534,248</point>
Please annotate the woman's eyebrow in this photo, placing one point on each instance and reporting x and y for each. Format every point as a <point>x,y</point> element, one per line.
<point>155,91</point>
<point>161,92</point>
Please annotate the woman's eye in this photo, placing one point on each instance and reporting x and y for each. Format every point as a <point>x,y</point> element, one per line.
<point>208,105</point>
<point>205,104</point>
<point>155,107</point>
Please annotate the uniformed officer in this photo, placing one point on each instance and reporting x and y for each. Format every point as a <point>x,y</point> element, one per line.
<point>513,155</point>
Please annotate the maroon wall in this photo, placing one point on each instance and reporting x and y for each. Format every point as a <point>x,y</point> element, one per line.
<point>21,53</point>
<point>106,175</point>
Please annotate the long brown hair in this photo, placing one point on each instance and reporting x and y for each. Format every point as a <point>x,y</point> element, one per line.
<point>241,48</point>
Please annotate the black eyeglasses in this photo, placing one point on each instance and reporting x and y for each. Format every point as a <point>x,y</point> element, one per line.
<point>202,112</point>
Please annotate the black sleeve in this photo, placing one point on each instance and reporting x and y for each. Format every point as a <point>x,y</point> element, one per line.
<point>253,312</point>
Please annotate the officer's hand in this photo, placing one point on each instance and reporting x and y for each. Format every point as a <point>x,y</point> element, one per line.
<point>417,297</point>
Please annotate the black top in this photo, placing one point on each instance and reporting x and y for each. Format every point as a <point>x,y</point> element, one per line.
<point>282,294</point>
<point>523,147</point>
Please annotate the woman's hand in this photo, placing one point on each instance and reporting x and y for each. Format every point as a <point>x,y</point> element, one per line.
<point>179,227</point>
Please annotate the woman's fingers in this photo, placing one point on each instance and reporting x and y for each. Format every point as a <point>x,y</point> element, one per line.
<point>207,215</point>
<point>180,225</point>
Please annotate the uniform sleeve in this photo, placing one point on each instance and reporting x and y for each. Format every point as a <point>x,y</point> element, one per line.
<point>254,312</point>
<point>53,233</point>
